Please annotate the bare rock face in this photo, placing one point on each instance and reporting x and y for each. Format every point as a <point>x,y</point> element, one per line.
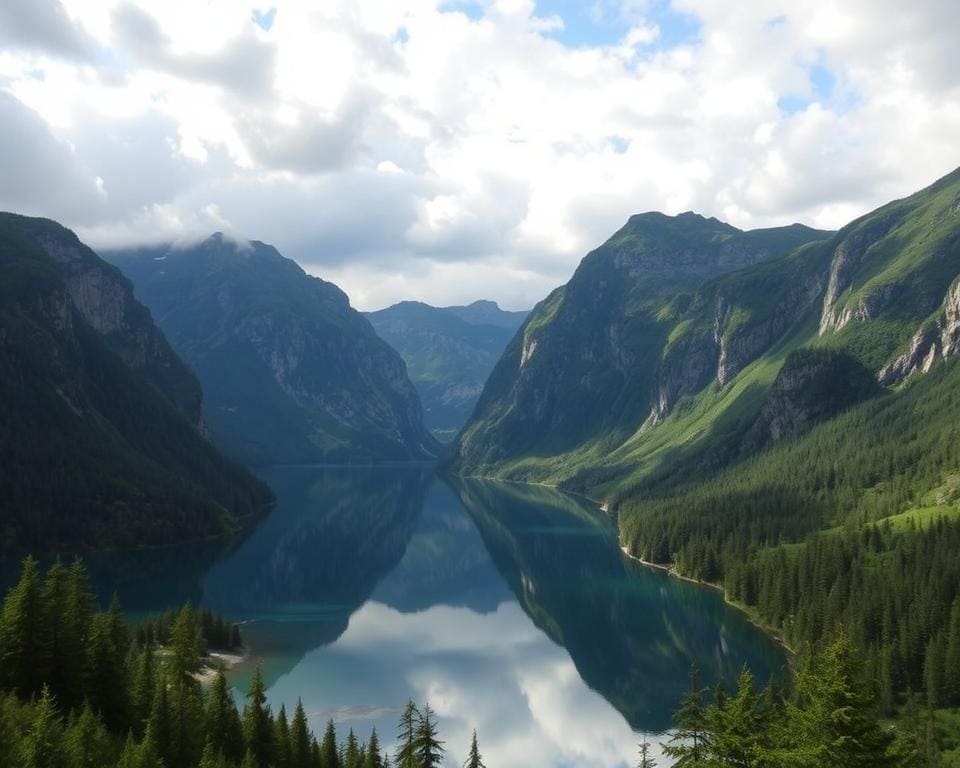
<point>931,342</point>
<point>812,385</point>
<point>291,373</point>
<point>848,257</point>
<point>105,301</point>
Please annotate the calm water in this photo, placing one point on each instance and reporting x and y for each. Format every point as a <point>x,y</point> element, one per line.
<point>509,608</point>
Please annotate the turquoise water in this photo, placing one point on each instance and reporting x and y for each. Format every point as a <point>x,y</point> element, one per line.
<point>509,608</point>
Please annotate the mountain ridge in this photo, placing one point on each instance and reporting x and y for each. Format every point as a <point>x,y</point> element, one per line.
<point>293,374</point>
<point>449,352</point>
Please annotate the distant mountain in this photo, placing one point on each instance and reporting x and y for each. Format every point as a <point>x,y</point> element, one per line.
<point>449,352</point>
<point>603,356</point>
<point>291,373</point>
<point>102,441</point>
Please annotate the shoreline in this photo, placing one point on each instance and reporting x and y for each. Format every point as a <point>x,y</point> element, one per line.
<point>604,506</point>
<point>769,631</point>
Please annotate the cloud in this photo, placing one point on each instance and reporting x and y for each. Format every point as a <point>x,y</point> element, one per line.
<point>430,149</point>
<point>41,175</point>
<point>43,26</point>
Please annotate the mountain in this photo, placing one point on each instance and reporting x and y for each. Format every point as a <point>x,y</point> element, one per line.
<point>103,443</point>
<point>603,356</point>
<point>795,440</point>
<point>291,373</point>
<point>449,352</point>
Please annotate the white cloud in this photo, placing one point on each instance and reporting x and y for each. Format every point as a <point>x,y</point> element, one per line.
<point>406,150</point>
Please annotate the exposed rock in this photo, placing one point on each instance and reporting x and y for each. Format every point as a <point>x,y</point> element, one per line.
<point>812,385</point>
<point>929,344</point>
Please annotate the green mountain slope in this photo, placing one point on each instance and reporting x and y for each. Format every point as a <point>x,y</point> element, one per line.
<point>800,443</point>
<point>291,373</point>
<point>607,353</point>
<point>102,442</point>
<point>449,352</point>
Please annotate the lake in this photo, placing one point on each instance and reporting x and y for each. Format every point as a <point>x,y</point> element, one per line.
<point>509,608</point>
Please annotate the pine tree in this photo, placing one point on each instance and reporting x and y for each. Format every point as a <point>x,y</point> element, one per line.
<point>148,753</point>
<point>24,637</point>
<point>223,728</point>
<point>689,742</point>
<point>300,739</point>
<point>429,748</point>
<point>43,744</point>
<point>282,755</point>
<point>833,720</point>
<point>143,689</point>
<point>646,761</point>
<point>373,757</point>
<point>351,752</point>
<point>329,757</point>
<point>257,723</point>
<point>736,726</point>
<point>474,758</point>
<point>87,742</point>
<point>186,642</point>
<point>160,723</point>
<point>128,755</point>
<point>406,737</point>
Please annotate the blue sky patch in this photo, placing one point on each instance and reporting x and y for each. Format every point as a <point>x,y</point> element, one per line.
<point>263,19</point>
<point>590,23</point>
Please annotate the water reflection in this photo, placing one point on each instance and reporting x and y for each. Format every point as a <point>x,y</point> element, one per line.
<point>509,608</point>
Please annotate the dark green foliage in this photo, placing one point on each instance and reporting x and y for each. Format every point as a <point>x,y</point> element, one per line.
<point>258,723</point>
<point>100,444</point>
<point>475,759</point>
<point>429,748</point>
<point>407,756</point>
<point>690,740</point>
<point>830,720</point>
<point>216,632</point>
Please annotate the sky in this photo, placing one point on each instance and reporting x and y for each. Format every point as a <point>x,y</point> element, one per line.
<point>452,150</point>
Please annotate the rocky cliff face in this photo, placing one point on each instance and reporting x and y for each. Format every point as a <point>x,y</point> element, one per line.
<point>291,372</point>
<point>100,446</point>
<point>105,301</point>
<point>616,348</point>
<point>937,340</point>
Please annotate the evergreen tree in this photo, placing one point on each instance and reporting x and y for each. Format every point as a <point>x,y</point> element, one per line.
<point>142,692</point>
<point>282,754</point>
<point>186,642</point>
<point>689,741</point>
<point>43,744</point>
<point>736,726</point>
<point>373,757</point>
<point>148,753</point>
<point>257,723</point>
<point>646,761</point>
<point>87,742</point>
<point>160,723</point>
<point>407,756</point>
<point>223,728</point>
<point>833,719</point>
<point>300,739</point>
<point>351,753</point>
<point>24,649</point>
<point>329,757</point>
<point>429,748</point>
<point>475,759</point>
<point>128,755</point>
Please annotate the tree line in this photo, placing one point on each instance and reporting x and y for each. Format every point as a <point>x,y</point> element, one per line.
<point>81,688</point>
